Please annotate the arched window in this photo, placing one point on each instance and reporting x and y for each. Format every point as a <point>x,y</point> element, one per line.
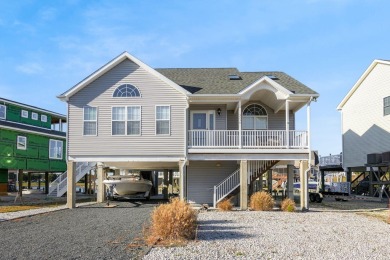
<point>254,118</point>
<point>126,90</point>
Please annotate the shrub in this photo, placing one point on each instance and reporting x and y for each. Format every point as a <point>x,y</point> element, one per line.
<point>173,222</point>
<point>288,205</point>
<point>225,205</point>
<point>261,200</point>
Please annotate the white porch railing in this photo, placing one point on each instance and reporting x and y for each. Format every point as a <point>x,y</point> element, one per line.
<point>60,184</point>
<point>249,139</point>
<point>226,186</point>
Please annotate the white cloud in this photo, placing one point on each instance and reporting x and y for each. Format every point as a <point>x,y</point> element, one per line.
<point>47,14</point>
<point>30,68</point>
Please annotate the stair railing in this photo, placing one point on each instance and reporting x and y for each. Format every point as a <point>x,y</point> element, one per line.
<point>225,187</point>
<point>60,183</point>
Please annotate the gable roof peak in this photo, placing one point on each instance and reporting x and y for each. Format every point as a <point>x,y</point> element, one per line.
<point>111,64</point>
<point>360,80</point>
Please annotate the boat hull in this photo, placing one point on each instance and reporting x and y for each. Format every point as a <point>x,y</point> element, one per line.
<point>129,187</point>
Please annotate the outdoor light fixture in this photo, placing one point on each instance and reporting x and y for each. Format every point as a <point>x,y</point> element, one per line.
<point>219,111</point>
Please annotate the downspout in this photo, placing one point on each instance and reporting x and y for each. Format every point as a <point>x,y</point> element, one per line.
<point>306,204</point>
<point>67,133</point>
<point>186,129</point>
<point>287,124</point>
<point>184,178</point>
<point>239,125</point>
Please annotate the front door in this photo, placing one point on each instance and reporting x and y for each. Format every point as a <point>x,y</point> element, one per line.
<point>202,120</point>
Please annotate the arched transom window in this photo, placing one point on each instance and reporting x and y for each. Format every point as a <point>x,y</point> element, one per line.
<point>254,117</point>
<point>126,90</point>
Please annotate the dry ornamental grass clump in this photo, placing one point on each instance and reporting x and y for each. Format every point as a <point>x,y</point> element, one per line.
<point>262,201</point>
<point>288,205</point>
<point>225,205</point>
<point>172,223</point>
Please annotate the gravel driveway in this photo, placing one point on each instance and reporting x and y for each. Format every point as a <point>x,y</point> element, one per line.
<point>318,234</point>
<point>92,232</point>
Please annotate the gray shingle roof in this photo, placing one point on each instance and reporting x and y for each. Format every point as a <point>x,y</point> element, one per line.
<point>216,80</point>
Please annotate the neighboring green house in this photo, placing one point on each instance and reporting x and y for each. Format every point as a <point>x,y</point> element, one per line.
<point>31,140</point>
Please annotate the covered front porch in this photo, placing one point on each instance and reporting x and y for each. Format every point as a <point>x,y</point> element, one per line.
<point>260,117</point>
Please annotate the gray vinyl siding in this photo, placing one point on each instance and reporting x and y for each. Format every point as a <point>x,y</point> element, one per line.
<point>275,121</point>
<point>153,92</point>
<point>220,121</point>
<point>364,126</point>
<point>232,120</point>
<point>202,176</point>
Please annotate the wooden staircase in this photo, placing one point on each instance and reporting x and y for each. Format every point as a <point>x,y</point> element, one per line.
<point>230,186</point>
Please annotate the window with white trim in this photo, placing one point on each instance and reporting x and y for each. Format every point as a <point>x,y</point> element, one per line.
<point>34,116</point>
<point>126,120</point>
<point>386,106</point>
<point>90,121</point>
<point>24,113</point>
<point>55,149</point>
<point>126,90</point>
<point>21,142</point>
<point>163,118</point>
<point>254,117</point>
<point>133,120</point>
<point>3,110</point>
<point>44,118</point>
<point>118,117</point>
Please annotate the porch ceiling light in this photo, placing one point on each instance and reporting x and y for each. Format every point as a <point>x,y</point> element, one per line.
<point>219,111</point>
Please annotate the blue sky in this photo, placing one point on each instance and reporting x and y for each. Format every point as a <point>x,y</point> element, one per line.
<point>46,47</point>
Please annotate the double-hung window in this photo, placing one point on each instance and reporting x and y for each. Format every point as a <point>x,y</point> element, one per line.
<point>118,121</point>
<point>90,121</point>
<point>126,120</point>
<point>386,106</point>
<point>163,118</point>
<point>133,120</point>
<point>21,142</point>
<point>3,110</point>
<point>55,149</point>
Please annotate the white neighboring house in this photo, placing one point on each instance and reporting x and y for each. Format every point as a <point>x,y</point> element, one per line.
<point>220,128</point>
<point>365,116</point>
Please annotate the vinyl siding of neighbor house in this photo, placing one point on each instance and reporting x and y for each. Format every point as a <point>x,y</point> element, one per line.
<point>202,176</point>
<point>364,126</point>
<point>153,92</point>
<point>275,121</point>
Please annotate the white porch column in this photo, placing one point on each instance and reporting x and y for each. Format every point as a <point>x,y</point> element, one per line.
<point>239,125</point>
<point>183,176</point>
<point>100,177</point>
<point>244,185</point>
<point>71,185</point>
<point>60,125</point>
<point>287,124</point>
<point>303,166</point>
<point>308,110</point>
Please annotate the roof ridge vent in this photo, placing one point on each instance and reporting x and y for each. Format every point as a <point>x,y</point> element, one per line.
<point>234,77</point>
